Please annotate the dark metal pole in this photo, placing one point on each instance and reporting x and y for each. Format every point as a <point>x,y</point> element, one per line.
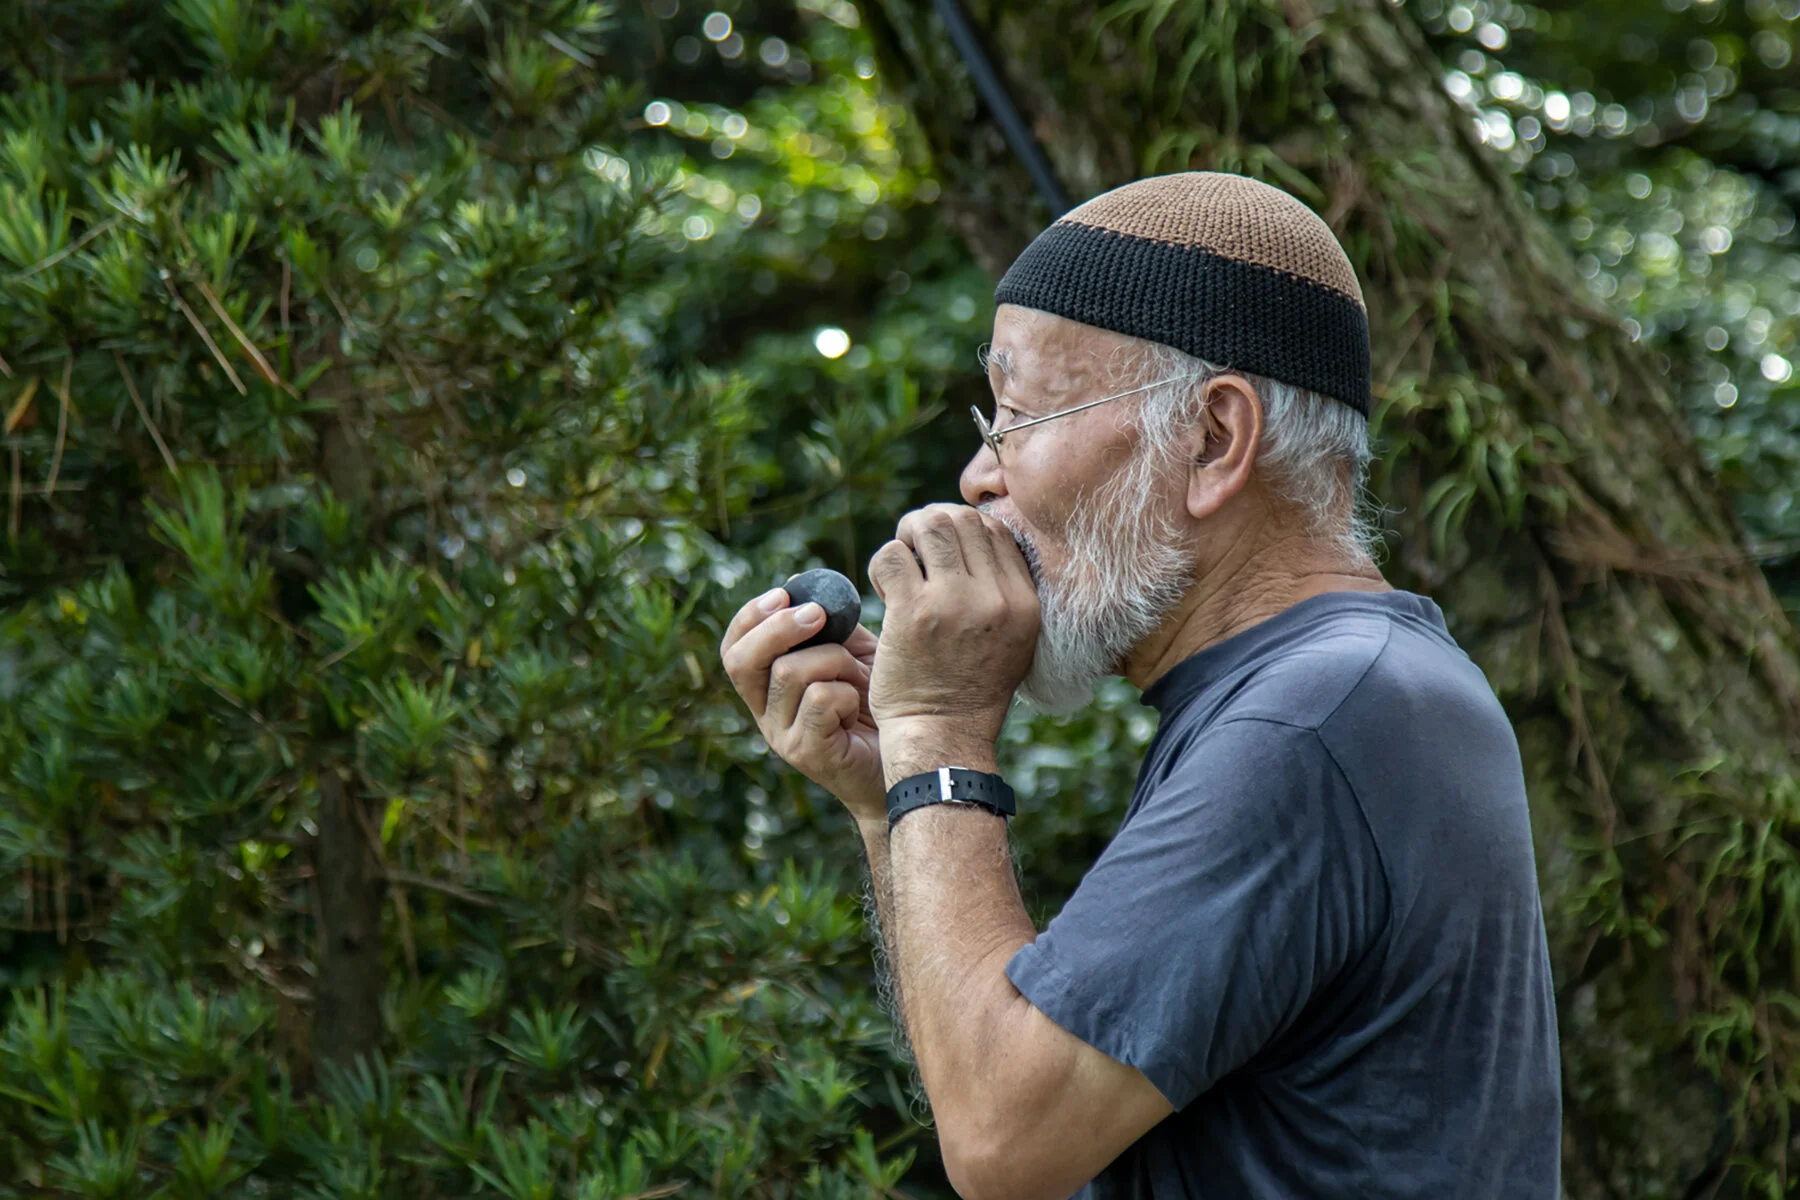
<point>1000,103</point>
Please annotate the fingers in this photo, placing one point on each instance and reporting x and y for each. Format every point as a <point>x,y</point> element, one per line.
<point>755,639</point>
<point>932,533</point>
<point>751,615</point>
<point>1018,591</point>
<point>980,549</point>
<point>1009,561</point>
<point>796,674</point>
<point>894,573</point>
<point>961,543</point>
<point>861,644</point>
<point>827,708</point>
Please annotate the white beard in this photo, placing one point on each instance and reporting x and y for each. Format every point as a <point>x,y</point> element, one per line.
<point>1126,569</point>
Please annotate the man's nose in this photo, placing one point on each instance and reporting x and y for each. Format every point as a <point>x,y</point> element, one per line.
<point>981,480</point>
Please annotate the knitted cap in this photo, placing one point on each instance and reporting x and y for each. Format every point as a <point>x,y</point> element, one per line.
<point>1225,268</point>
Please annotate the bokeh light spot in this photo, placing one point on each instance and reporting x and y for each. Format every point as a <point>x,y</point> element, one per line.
<point>831,341</point>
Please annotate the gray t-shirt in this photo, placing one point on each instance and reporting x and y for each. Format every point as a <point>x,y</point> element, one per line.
<point>1317,930</point>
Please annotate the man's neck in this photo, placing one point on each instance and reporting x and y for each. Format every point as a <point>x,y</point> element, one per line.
<point>1244,588</point>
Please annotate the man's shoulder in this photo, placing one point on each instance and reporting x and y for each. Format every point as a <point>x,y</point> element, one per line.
<point>1368,686</point>
<point>1349,655</point>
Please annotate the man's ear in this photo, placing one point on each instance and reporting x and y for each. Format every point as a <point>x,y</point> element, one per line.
<point>1224,444</point>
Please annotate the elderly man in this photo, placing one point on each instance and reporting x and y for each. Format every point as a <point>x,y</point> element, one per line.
<point>1311,962</point>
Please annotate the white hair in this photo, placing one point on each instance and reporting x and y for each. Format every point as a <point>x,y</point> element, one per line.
<point>1315,450</point>
<point>1127,563</point>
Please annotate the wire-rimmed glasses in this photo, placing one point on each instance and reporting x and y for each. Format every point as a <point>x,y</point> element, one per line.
<point>992,436</point>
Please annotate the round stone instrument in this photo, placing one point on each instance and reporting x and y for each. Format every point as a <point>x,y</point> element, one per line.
<point>832,591</point>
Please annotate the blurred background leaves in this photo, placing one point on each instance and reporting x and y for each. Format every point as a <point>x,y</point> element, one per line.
<point>406,396</point>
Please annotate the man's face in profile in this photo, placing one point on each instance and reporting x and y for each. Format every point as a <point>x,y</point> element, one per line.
<point>1092,513</point>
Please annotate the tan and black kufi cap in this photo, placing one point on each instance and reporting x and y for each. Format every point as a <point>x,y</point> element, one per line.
<point>1229,270</point>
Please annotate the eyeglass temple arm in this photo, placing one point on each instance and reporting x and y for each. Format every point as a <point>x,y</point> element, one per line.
<point>999,433</point>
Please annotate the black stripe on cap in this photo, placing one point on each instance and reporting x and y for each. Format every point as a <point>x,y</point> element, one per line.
<point>1224,310</point>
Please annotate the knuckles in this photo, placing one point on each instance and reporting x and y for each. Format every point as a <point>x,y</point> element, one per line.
<point>815,665</point>
<point>938,520</point>
<point>784,673</point>
<point>937,523</point>
<point>883,562</point>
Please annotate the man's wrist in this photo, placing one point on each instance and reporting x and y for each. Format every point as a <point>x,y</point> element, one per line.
<point>919,744</point>
<point>874,832</point>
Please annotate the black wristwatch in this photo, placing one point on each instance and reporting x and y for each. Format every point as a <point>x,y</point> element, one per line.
<point>950,785</point>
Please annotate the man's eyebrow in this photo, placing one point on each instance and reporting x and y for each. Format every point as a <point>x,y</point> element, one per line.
<point>991,359</point>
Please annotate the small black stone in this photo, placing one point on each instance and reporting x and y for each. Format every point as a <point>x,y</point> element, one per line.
<point>834,592</point>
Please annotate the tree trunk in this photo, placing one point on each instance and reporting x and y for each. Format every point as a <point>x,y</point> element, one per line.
<point>1549,496</point>
<point>347,1012</point>
<point>347,1015</point>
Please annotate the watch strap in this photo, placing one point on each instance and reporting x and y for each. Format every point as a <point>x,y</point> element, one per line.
<point>950,785</point>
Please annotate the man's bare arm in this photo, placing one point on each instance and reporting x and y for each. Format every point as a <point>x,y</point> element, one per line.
<point>1023,1107</point>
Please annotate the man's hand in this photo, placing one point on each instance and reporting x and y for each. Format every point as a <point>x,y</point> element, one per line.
<point>961,624</point>
<point>811,705</point>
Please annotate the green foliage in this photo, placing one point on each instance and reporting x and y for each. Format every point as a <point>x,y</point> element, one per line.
<point>1541,482</point>
<point>352,437</point>
<point>405,397</point>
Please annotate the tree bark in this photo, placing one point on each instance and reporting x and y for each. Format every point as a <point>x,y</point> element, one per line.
<point>1549,496</point>
<point>347,1013</point>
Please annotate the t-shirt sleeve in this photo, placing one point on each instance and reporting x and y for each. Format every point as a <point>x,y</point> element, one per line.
<point>1241,885</point>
